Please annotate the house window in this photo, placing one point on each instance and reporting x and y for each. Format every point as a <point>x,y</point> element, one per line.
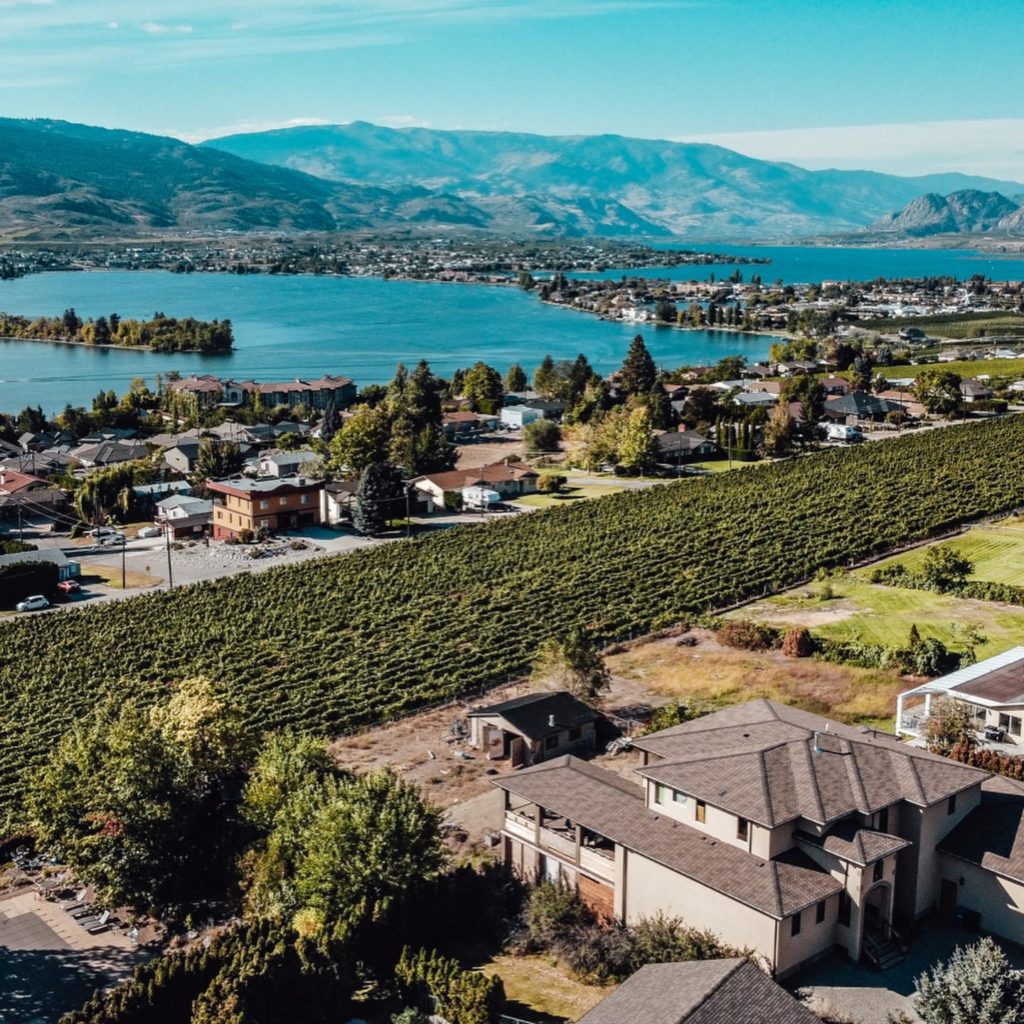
<point>879,872</point>
<point>680,798</point>
<point>659,793</point>
<point>951,805</point>
<point>794,925</point>
<point>845,906</point>
<point>575,733</point>
<point>819,912</point>
<point>551,742</point>
<point>282,501</point>
<point>305,499</point>
<point>1010,724</point>
<point>701,810</point>
<point>883,819</point>
<point>742,829</point>
<point>264,505</point>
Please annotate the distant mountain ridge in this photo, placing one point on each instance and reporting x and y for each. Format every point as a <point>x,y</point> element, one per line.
<point>64,181</point>
<point>604,184</point>
<point>970,211</point>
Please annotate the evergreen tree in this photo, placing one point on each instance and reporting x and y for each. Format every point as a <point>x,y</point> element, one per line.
<point>482,387</point>
<point>544,377</point>
<point>662,414</point>
<point>515,379</point>
<point>975,986</point>
<point>639,373</point>
<point>378,497</point>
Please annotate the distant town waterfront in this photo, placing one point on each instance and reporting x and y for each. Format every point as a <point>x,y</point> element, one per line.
<point>288,327</point>
<point>361,327</point>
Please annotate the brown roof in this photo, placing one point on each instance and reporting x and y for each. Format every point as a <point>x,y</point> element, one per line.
<point>497,472</point>
<point>1004,685</point>
<point>773,763</point>
<point>729,991</point>
<point>992,835</point>
<point>860,846</point>
<point>614,808</point>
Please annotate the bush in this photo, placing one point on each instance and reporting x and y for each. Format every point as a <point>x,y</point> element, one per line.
<point>747,635</point>
<point>551,483</point>
<point>542,436</point>
<point>246,536</point>
<point>797,643</point>
<point>460,996</point>
<point>552,912</point>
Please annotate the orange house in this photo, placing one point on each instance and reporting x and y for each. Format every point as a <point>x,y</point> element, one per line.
<point>244,504</point>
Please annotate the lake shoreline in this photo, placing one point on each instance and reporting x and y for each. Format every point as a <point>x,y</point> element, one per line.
<point>116,348</point>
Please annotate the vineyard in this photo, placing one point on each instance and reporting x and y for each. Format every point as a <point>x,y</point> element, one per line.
<point>334,644</point>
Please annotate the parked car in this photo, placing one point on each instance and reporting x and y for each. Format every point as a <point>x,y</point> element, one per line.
<point>113,540</point>
<point>34,603</point>
<point>69,586</point>
<point>100,531</point>
<point>149,531</point>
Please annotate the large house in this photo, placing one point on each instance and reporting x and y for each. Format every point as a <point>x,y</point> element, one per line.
<point>682,445</point>
<point>778,830</point>
<point>207,391</point>
<point>993,689</point>
<point>246,504</point>
<point>181,515</point>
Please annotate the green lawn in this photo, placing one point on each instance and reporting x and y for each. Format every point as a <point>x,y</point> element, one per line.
<point>570,493</point>
<point>997,552</point>
<point>1013,368</point>
<point>883,615</point>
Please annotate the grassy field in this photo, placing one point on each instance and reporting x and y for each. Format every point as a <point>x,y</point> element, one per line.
<point>883,615</point>
<point>997,552</point>
<point>955,325</point>
<point>1013,368</point>
<point>723,675</point>
<point>570,493</point>
<point>110,575</point>
<point>542,991</point>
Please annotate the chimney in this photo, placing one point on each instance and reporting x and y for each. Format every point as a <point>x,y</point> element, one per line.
<point>817,745</point>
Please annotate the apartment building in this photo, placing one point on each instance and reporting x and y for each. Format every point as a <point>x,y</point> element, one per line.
<point>244,504</point>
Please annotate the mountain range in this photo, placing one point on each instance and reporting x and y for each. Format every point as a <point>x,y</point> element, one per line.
<point>970,212</point>
<point>63,181</point>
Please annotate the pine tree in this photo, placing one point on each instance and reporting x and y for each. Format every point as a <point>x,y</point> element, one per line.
<point>639,373</point>
<point>377,498</point>
<point>515,378</point>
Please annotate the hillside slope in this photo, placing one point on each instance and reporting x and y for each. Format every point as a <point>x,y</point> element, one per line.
<point>610,183</point>
<point>970,211</point>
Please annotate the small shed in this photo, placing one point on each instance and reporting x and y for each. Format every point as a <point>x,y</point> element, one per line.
<point>529,729</point>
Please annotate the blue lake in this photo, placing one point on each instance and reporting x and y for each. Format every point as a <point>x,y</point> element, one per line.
<point>288,327</point>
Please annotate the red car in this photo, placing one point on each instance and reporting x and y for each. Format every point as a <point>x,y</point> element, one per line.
<point>69,586</point>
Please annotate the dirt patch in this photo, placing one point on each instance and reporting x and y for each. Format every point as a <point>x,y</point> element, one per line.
<point>543,990</point>
<point>802,615</point>
<point>490,448</point>
<point>723,675</point>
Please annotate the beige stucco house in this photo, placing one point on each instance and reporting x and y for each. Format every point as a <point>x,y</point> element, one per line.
<point>993,689</point>
<point>775,829</point>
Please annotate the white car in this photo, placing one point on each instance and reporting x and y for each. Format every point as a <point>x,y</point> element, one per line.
<point>112,540</point>
<point>34,603</point>
<point>100,531</point>
<point>149,531</point>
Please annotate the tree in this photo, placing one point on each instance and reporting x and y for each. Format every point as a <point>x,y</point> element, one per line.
<point>950,723</point>
<point>483,388</point>
<point>779,431</point>
<point>362,440</point>
<point>215,460</point>
<point>809,392</point>
<point>700,407</point>
<point>134,799</point>
<point>662,413</point>
<point>939,392</point>
<point>944,568</point>
<point>638,450</point>
<point>860,373</point>
<point>975,986</point>
<point>515,379</point>
<point>542,436</point>
<point>378,498</point>
<point>639,374</point>
<point>574,664</point>
<point>544,377</point>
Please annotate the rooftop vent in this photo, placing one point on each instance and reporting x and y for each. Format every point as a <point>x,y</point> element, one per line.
<point>551,721</point>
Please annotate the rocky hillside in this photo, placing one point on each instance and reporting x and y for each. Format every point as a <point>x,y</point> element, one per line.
<point>970,212</point>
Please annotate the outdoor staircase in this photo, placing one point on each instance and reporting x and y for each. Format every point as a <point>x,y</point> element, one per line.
<point>884,952</point>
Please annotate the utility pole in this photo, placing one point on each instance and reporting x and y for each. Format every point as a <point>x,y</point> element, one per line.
<point>21,531</point>
<point>170,573</point>
<point>124,583</point>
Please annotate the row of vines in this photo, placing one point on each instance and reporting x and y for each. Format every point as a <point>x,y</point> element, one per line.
<point>335,644</point>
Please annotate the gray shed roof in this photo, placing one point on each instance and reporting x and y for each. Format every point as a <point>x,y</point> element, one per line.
<point>729,991</point>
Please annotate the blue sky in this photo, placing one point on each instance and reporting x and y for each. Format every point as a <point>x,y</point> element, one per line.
<point>905,86</point>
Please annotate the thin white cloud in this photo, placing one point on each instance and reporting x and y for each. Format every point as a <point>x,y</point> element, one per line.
<point>991,147</point>
<point>402,121</point>
<point>242,128</point>
<point>159,28</point>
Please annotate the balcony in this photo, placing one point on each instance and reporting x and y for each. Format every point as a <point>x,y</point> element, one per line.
<point>596,855</point>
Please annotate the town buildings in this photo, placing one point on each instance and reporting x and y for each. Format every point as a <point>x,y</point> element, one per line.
<point>247,504</point>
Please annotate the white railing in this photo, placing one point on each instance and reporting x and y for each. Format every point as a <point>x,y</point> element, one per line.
<point>595,863</point>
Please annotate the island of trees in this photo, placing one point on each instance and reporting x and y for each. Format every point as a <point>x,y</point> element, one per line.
<point>160,334</point>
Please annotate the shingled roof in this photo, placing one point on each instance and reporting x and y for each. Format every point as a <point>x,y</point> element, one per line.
<point>772,764</point>
<point>992,835</point>
<point>532,715</point>
<point>729,991</point>
<point>861,846</point>
<point>614,808</point>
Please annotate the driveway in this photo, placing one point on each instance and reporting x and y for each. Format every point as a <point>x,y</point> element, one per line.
<point>861,993</point>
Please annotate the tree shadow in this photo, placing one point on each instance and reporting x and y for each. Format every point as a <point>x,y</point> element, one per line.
<point>41,984</point>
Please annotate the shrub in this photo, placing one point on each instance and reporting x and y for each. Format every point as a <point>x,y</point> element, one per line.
<point>797,643</point>
<point>246,536</point>
<point>747,635</point>
<point>460,996</point>
<point>552,911</point>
